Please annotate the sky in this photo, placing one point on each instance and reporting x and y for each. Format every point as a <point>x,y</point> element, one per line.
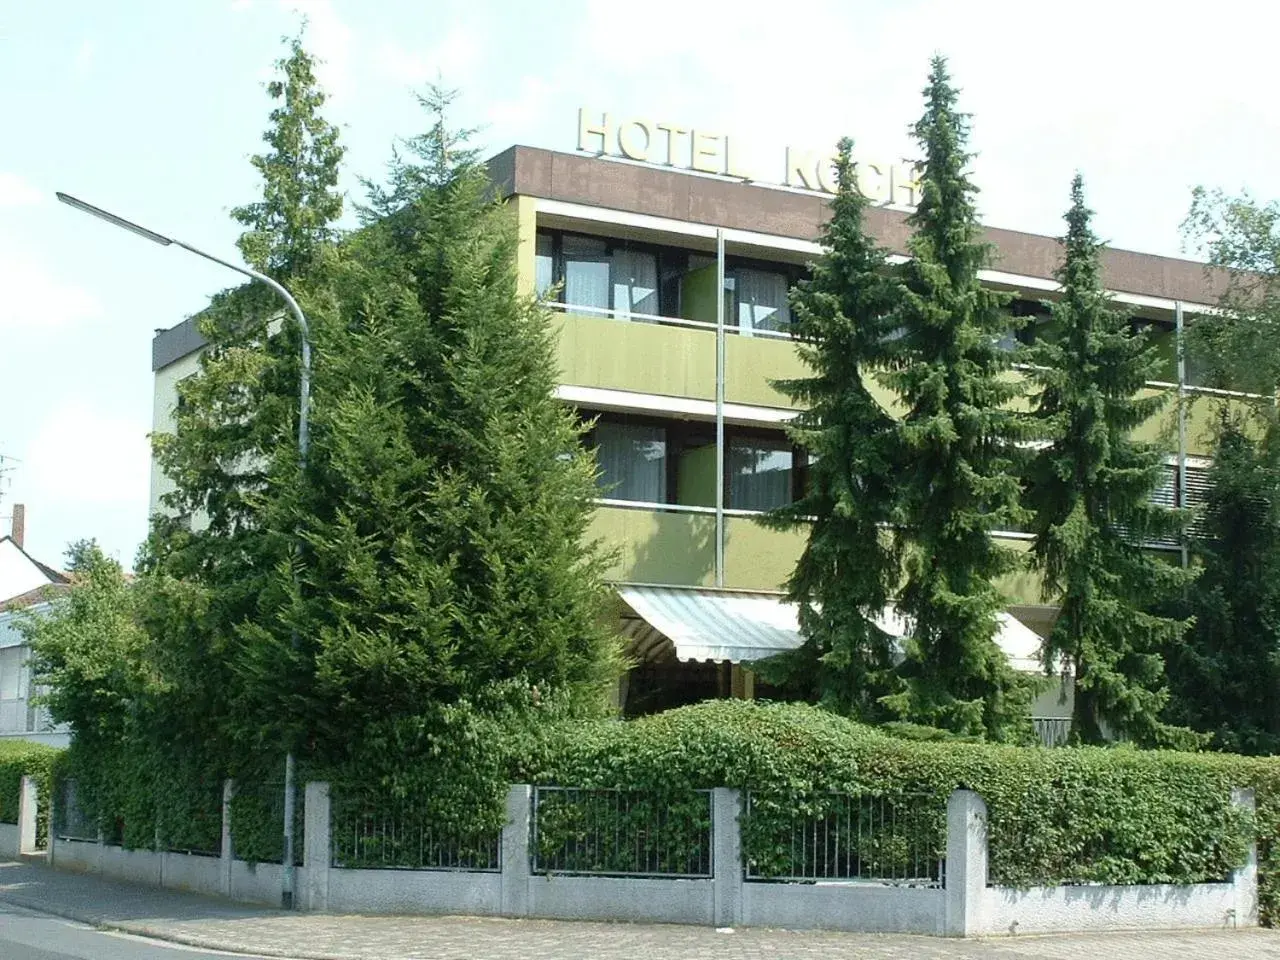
<point>151,108</point>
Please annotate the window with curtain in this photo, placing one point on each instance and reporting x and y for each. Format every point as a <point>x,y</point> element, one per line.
<point>633,461</point>
<point>586,272</point>
<point>635,283</point>
<point>543,264</point>
<point>759,473</point>
<point>762,300</point>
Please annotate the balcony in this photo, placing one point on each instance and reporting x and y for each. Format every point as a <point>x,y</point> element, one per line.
<point>675,545</point>
<point>670,357</point>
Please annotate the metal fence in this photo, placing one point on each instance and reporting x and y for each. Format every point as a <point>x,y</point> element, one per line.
<point>403,833</point>
<point>1052,731</point>
<point>620,833</point>
<point>70,822</point>
<point>899,840</point>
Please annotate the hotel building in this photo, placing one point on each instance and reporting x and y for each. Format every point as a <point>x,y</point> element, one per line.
<point>672,313</point>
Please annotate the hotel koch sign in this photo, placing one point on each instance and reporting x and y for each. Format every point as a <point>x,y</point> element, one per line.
<point>688,148</point>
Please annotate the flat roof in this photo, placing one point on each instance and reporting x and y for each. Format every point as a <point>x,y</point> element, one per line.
<point>655,191</point>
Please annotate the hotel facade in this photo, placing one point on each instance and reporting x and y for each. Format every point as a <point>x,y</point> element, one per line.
<point>669,292</point>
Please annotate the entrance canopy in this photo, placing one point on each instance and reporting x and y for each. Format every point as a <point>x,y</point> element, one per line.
<point>739,627</point>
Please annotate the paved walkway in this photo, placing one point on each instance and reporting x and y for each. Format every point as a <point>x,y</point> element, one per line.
<point>217,924</point>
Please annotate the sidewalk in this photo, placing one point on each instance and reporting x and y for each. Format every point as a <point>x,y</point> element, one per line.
<point>220,925</point>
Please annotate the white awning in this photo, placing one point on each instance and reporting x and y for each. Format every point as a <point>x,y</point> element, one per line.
<point>739,627</point>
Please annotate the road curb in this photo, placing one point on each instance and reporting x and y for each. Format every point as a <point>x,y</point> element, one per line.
<point>183,939</point>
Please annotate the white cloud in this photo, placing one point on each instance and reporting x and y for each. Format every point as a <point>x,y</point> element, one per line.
<point>239,6</point>
<point>328,39</point>
<point>83,62</point>
<point>81,456</point>
<point>17,192</point>
<point>32,296</point>
<point>453,60</point>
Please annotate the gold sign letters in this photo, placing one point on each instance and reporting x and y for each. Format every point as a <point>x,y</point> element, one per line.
<point>671,145</point>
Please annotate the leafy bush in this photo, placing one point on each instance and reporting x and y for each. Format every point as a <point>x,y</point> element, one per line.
<point>20,759</point>
<point>1092,815</point>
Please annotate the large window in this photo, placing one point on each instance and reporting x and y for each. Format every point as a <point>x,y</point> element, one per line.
<point>544,264</point>
<point>633,461</point>
<point>759,473</point>
<point>586,272</point>
<point>761,300</point>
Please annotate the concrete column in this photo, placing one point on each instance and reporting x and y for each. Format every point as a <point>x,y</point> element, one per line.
<point>1245,880</point>
<point>53,835</point>
<point>228,852</point>
<point>515,852</point>
<point>966,885</point>
<point>317,850</point>
<point>28,806</point>
<point>726,856</point>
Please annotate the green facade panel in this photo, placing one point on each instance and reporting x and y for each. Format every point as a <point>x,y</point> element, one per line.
<point>640,357</point>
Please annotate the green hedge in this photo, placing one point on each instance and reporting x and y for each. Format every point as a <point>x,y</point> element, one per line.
<point>20,759</point>
<point>1056,816</point>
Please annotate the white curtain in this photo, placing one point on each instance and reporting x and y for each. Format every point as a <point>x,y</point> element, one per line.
<point>542,264</point>
<point>635,283</point>
<point>586,272</point>
<point>762,301</point>
<point>633,462</point>
<point>759,476</point>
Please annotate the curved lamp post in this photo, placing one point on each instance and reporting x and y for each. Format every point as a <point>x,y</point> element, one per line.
<point>304,395</point>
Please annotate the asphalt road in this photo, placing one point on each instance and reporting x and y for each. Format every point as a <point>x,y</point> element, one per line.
<point>27,935</point>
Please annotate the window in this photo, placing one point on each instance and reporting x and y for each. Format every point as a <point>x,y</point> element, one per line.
<point>632,460</point>
<point>543,264</point>
<point>762,300</point>
<point>759,473</point>
<point>635,283</point>
<point>586,272</point>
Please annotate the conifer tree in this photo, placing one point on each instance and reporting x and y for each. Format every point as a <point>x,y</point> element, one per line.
<point>958,477</point>
<point>234,450</point>
<point>1223,678</point>
<point>449,494</point>
<point>1090,492</point>
<point>849,567</point>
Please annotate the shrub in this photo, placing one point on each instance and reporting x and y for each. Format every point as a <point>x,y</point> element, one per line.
<point>1089,815</point>
<point>20,759</point>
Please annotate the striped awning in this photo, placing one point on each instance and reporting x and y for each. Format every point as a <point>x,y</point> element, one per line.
<point>717,625</point>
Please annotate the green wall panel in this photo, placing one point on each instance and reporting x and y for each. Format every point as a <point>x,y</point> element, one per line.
<point>641,357</point>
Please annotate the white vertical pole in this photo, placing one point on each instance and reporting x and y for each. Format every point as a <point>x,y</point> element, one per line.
<point>1180,340</point>
<point>720,320</point>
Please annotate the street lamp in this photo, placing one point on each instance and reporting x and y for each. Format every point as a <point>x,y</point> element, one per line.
<point>304,395</point>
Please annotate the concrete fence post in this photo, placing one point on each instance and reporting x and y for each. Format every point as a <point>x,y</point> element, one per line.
<point>1245,879</point>
<point>53,831</point>
<point>227,852</point>
<point>966,883</point>
<point>726,856</point>
<point>28,810</point>
<point>516,874</point>
<point>317,849</point>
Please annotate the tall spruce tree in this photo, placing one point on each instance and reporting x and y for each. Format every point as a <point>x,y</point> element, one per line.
<point>1223,678</point>
<point>294,220</point>
<point>446,514</point>
<point>958,476</point>
<point>233,453</point>
<point>849,568</point>
<point>1090,492</point>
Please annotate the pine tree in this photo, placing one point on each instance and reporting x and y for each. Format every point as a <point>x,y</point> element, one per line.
<point>446,515</point>
<point>1223,678</point>
<point>234,451</point>
<point>849,567</point>
<point>1090,491</point>
<point>300,202</point>
<point>958,478</point>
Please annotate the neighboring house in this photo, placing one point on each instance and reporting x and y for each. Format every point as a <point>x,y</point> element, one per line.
<point>27,587</point>
<point>626,255</point>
